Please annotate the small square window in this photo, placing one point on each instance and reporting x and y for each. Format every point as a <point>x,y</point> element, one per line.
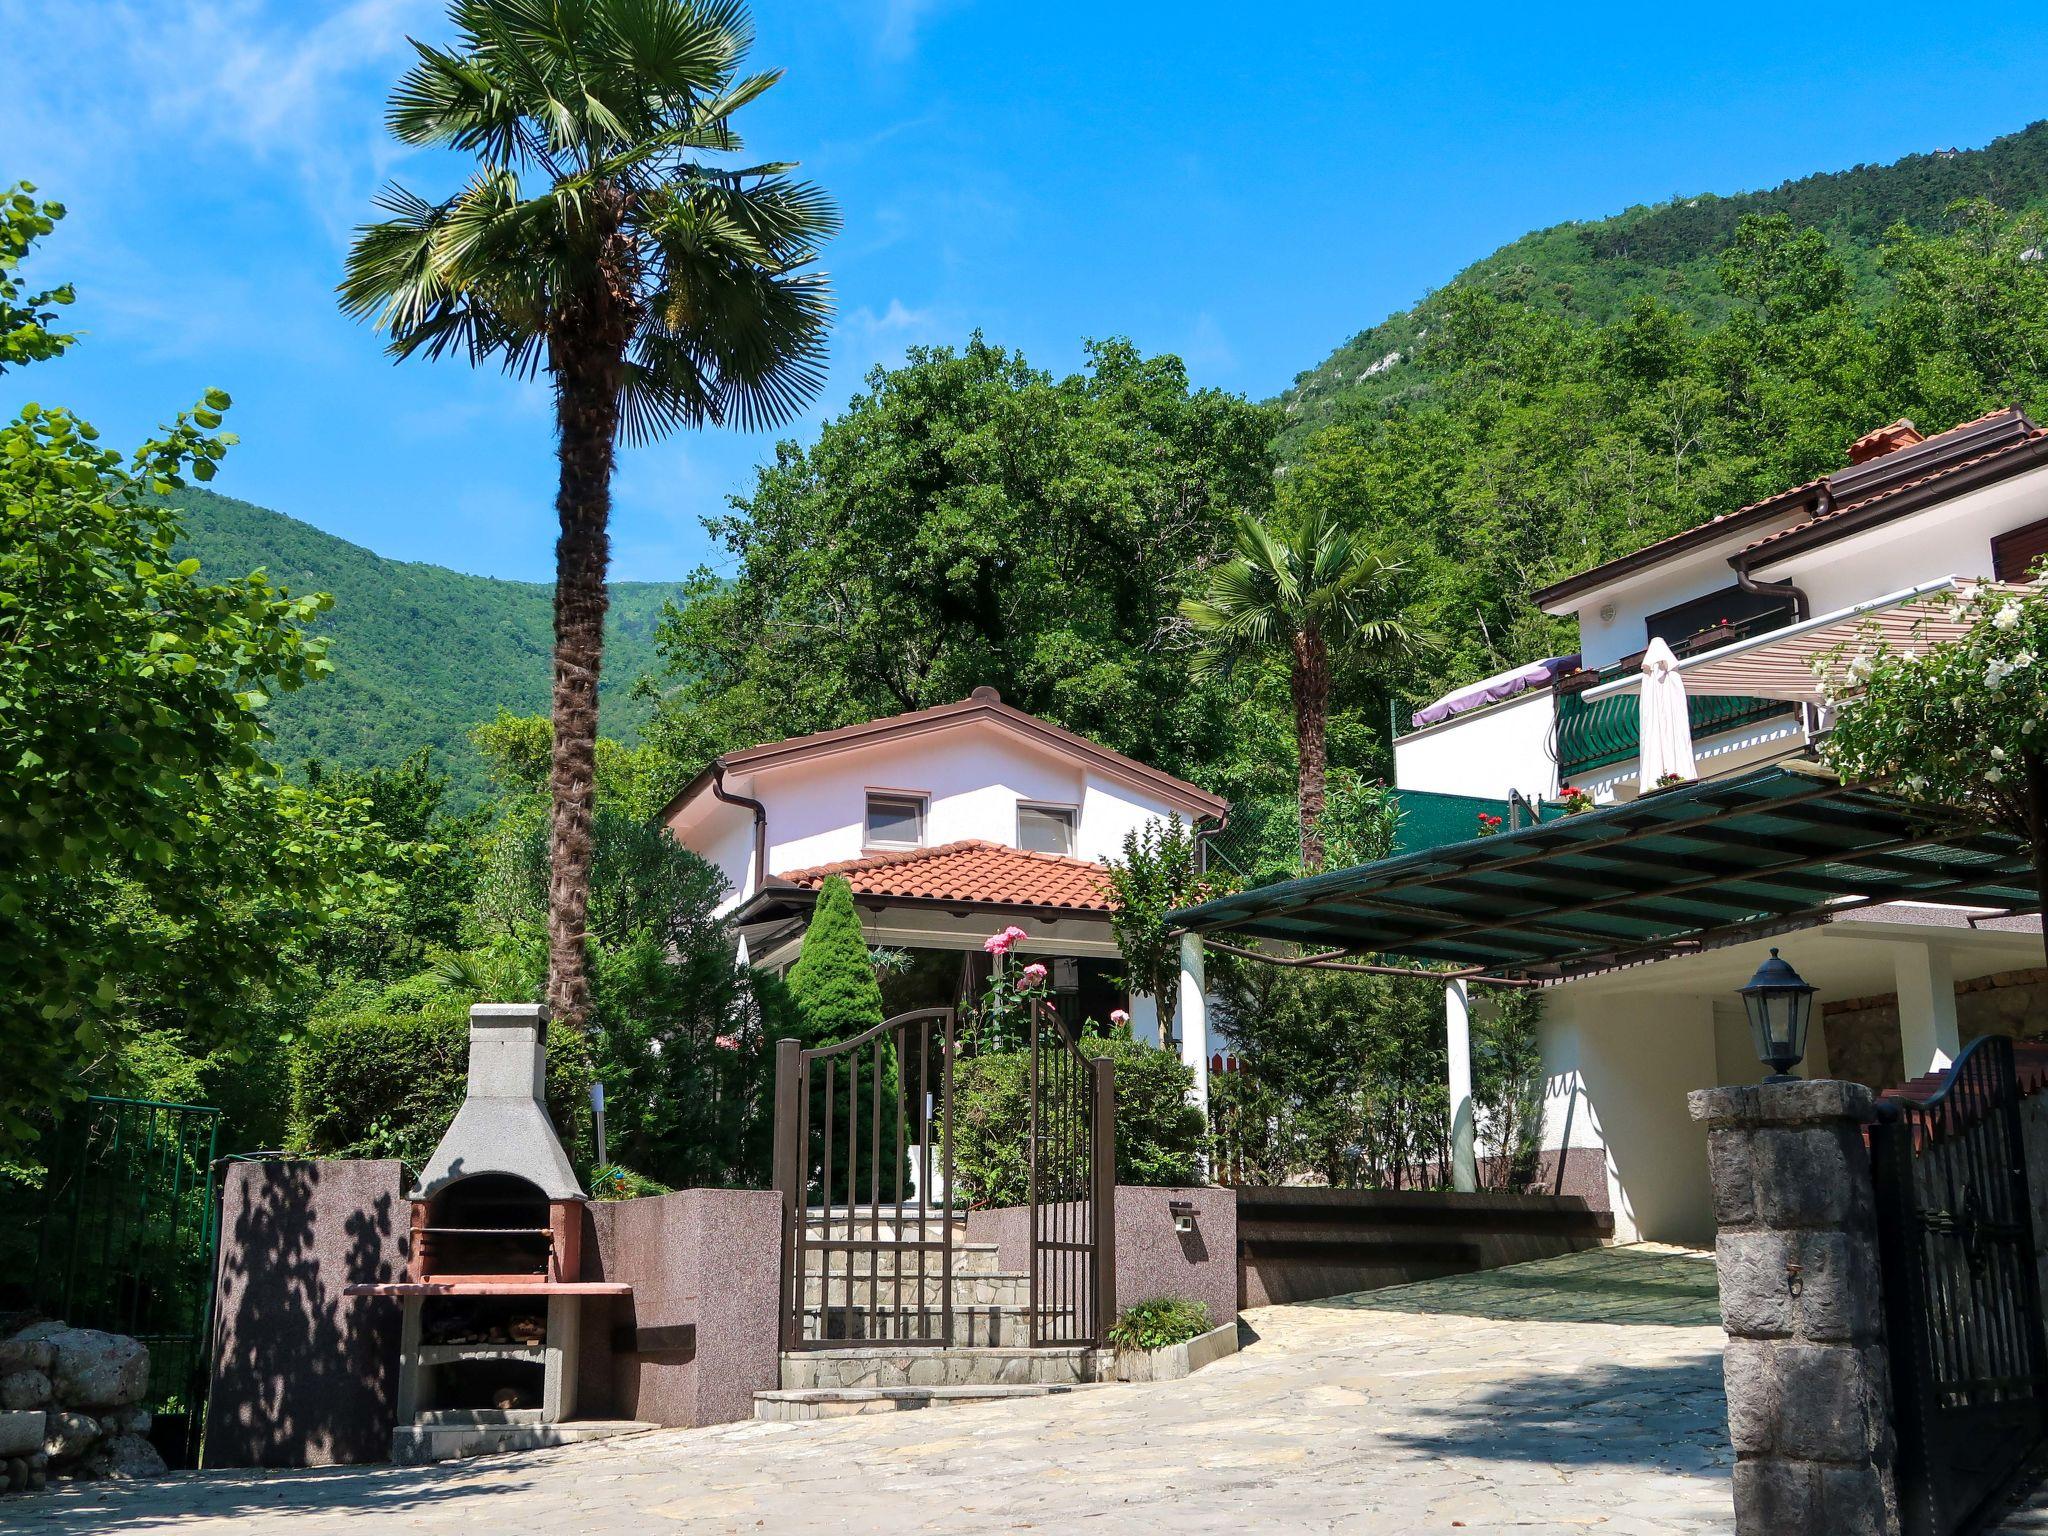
<point>895,821</point>
<point>1046,828</point>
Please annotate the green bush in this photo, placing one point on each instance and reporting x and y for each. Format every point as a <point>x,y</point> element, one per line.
<point>833,981</point>
<point>1160,1136</point>
<point>386,1083</point>
<point>608,1181</point>
<point>1159,1324</point>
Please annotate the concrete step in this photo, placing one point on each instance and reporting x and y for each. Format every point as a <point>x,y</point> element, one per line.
<point>972,1326</point>
<point>452,1437</point>
<point>843,1402</point>
<point>968,1258</point>
<point>997,1288</point>
<point>882,1367</point>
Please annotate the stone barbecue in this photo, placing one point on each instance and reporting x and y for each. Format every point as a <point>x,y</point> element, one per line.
<point>489,1348</point>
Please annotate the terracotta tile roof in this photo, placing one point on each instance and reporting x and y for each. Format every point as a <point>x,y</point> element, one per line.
<point>987,874</point>
<point>1877,497</point>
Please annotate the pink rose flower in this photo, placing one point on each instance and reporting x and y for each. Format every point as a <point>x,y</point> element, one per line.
<point>727,1042</point>
<point>1002,943</point>
<point>1031,976</point>
<point>1119,1017</point>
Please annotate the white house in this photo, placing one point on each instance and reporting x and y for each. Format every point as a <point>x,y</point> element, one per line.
<point>950,823</point>
<point>1641,921</point>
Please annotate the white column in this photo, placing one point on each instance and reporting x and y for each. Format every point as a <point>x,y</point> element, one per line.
<point>1458,1047</point>
<point>1145,1018</point>
<point>1193,1016</point>
<point>1927,1008</point>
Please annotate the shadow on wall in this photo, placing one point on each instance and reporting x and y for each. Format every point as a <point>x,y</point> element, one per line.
<point>303,1375</point>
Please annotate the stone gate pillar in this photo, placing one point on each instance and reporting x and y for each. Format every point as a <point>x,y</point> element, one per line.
<point>1809,1393</point>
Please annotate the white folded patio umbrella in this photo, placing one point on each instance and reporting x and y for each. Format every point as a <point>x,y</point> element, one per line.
<point>1665,729</point>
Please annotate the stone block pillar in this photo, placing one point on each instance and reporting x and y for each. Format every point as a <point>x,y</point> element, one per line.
<point>1809,1392</point>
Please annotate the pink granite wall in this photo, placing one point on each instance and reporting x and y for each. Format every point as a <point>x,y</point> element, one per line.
<point>1152,1260</point>
<point>304,1376</point>
<point>706,1257</point>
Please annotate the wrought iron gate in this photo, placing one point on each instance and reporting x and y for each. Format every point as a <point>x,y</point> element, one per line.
<point>127,1232</point>
<point>1072,1209</point>
<point>864,1165</point>
<point>1961,1291</point>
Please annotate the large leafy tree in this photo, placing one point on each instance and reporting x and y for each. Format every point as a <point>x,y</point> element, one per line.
<point>153,865</point>
<point>1299,595</point>
<point>971,520</point>
<point>605,239</point>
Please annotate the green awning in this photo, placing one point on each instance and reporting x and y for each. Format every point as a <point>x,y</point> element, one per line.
<point>1775,847</point>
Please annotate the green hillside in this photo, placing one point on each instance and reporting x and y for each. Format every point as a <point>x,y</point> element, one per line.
<point>421,652</point>
<point>1592,269</point>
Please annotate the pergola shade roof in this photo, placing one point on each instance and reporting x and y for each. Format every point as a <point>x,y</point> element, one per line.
<point>1664,873</point>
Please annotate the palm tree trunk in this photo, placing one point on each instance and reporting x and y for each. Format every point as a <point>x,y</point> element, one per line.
<point>586,417</point>
<point>1310,679</point>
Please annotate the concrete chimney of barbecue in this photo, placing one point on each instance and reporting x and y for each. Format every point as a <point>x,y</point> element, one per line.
<point>503,1124</point>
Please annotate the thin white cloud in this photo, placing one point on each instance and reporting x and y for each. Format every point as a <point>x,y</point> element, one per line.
<point>900,23</point>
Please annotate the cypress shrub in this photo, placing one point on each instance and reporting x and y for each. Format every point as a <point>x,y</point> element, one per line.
<point>833,981</point>
<point>833,989</point>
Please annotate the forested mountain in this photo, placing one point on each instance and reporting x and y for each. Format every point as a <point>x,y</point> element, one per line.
<point>421,653</point>
<point>1592,269</point>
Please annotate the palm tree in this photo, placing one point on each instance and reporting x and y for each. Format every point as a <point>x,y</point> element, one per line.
<point>596,241</point>
<point>1301,594</point>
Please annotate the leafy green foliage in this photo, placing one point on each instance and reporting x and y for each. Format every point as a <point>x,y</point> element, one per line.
<point>1593,270</point>
<point>1960,722</point>
<point>972,520</point>
<point>833,981</point>
<point>420,653</point>
<point>1160,1136</point>
<point>150,858</point>
<point>25,318</point>
<point>385,1078</point>
<point>610,1181</point>
<point>1159,1323</point>
<point>1152,876</point>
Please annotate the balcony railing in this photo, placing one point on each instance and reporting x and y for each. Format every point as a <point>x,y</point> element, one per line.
<point>1605,731</point>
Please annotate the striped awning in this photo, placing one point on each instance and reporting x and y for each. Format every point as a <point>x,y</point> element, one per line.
<point>1774,849</point>
<point>1781,663</point>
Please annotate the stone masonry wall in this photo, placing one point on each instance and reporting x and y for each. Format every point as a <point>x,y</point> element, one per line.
<point>1863,1032</point>
<point>1807,1374</point>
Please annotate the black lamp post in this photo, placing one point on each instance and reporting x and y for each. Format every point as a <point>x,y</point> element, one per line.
<point>1780,1006</point>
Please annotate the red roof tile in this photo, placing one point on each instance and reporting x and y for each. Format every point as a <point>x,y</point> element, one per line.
<point>987,874</point>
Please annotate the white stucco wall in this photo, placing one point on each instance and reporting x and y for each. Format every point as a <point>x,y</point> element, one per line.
<point>1953,539</point>
<point>1617,1070</point>
<point>1486,752</point>
<point>972,778</point>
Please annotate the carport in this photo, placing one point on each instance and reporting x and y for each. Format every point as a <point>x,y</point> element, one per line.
<point>1707,868</point>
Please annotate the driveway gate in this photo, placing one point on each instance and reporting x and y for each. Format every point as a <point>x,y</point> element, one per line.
<point>1073,1187</point>
<point>864,1165</point>
<point>1961,1291</point>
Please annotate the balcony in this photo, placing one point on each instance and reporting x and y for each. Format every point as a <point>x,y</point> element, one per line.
<point>1595,733</point>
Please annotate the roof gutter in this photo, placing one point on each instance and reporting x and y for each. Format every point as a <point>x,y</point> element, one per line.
<point>759,863</point>
<point>1802,608</point>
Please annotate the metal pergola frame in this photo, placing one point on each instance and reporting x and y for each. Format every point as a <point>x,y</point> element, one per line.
<point>1675,871</point>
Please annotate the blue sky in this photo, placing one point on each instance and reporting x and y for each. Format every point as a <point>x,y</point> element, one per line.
<point>1247,186</point>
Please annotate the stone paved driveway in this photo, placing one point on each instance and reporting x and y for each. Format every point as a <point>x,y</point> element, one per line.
<point>1574,1395</point>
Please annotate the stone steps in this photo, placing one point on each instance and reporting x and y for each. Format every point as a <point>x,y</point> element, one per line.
<point>456,1436</point>
<point>844,1402</point>
<point>968,1259</point>
<point>996,1288</point>
<point>878,1366</point>
<point>973,1327</point>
